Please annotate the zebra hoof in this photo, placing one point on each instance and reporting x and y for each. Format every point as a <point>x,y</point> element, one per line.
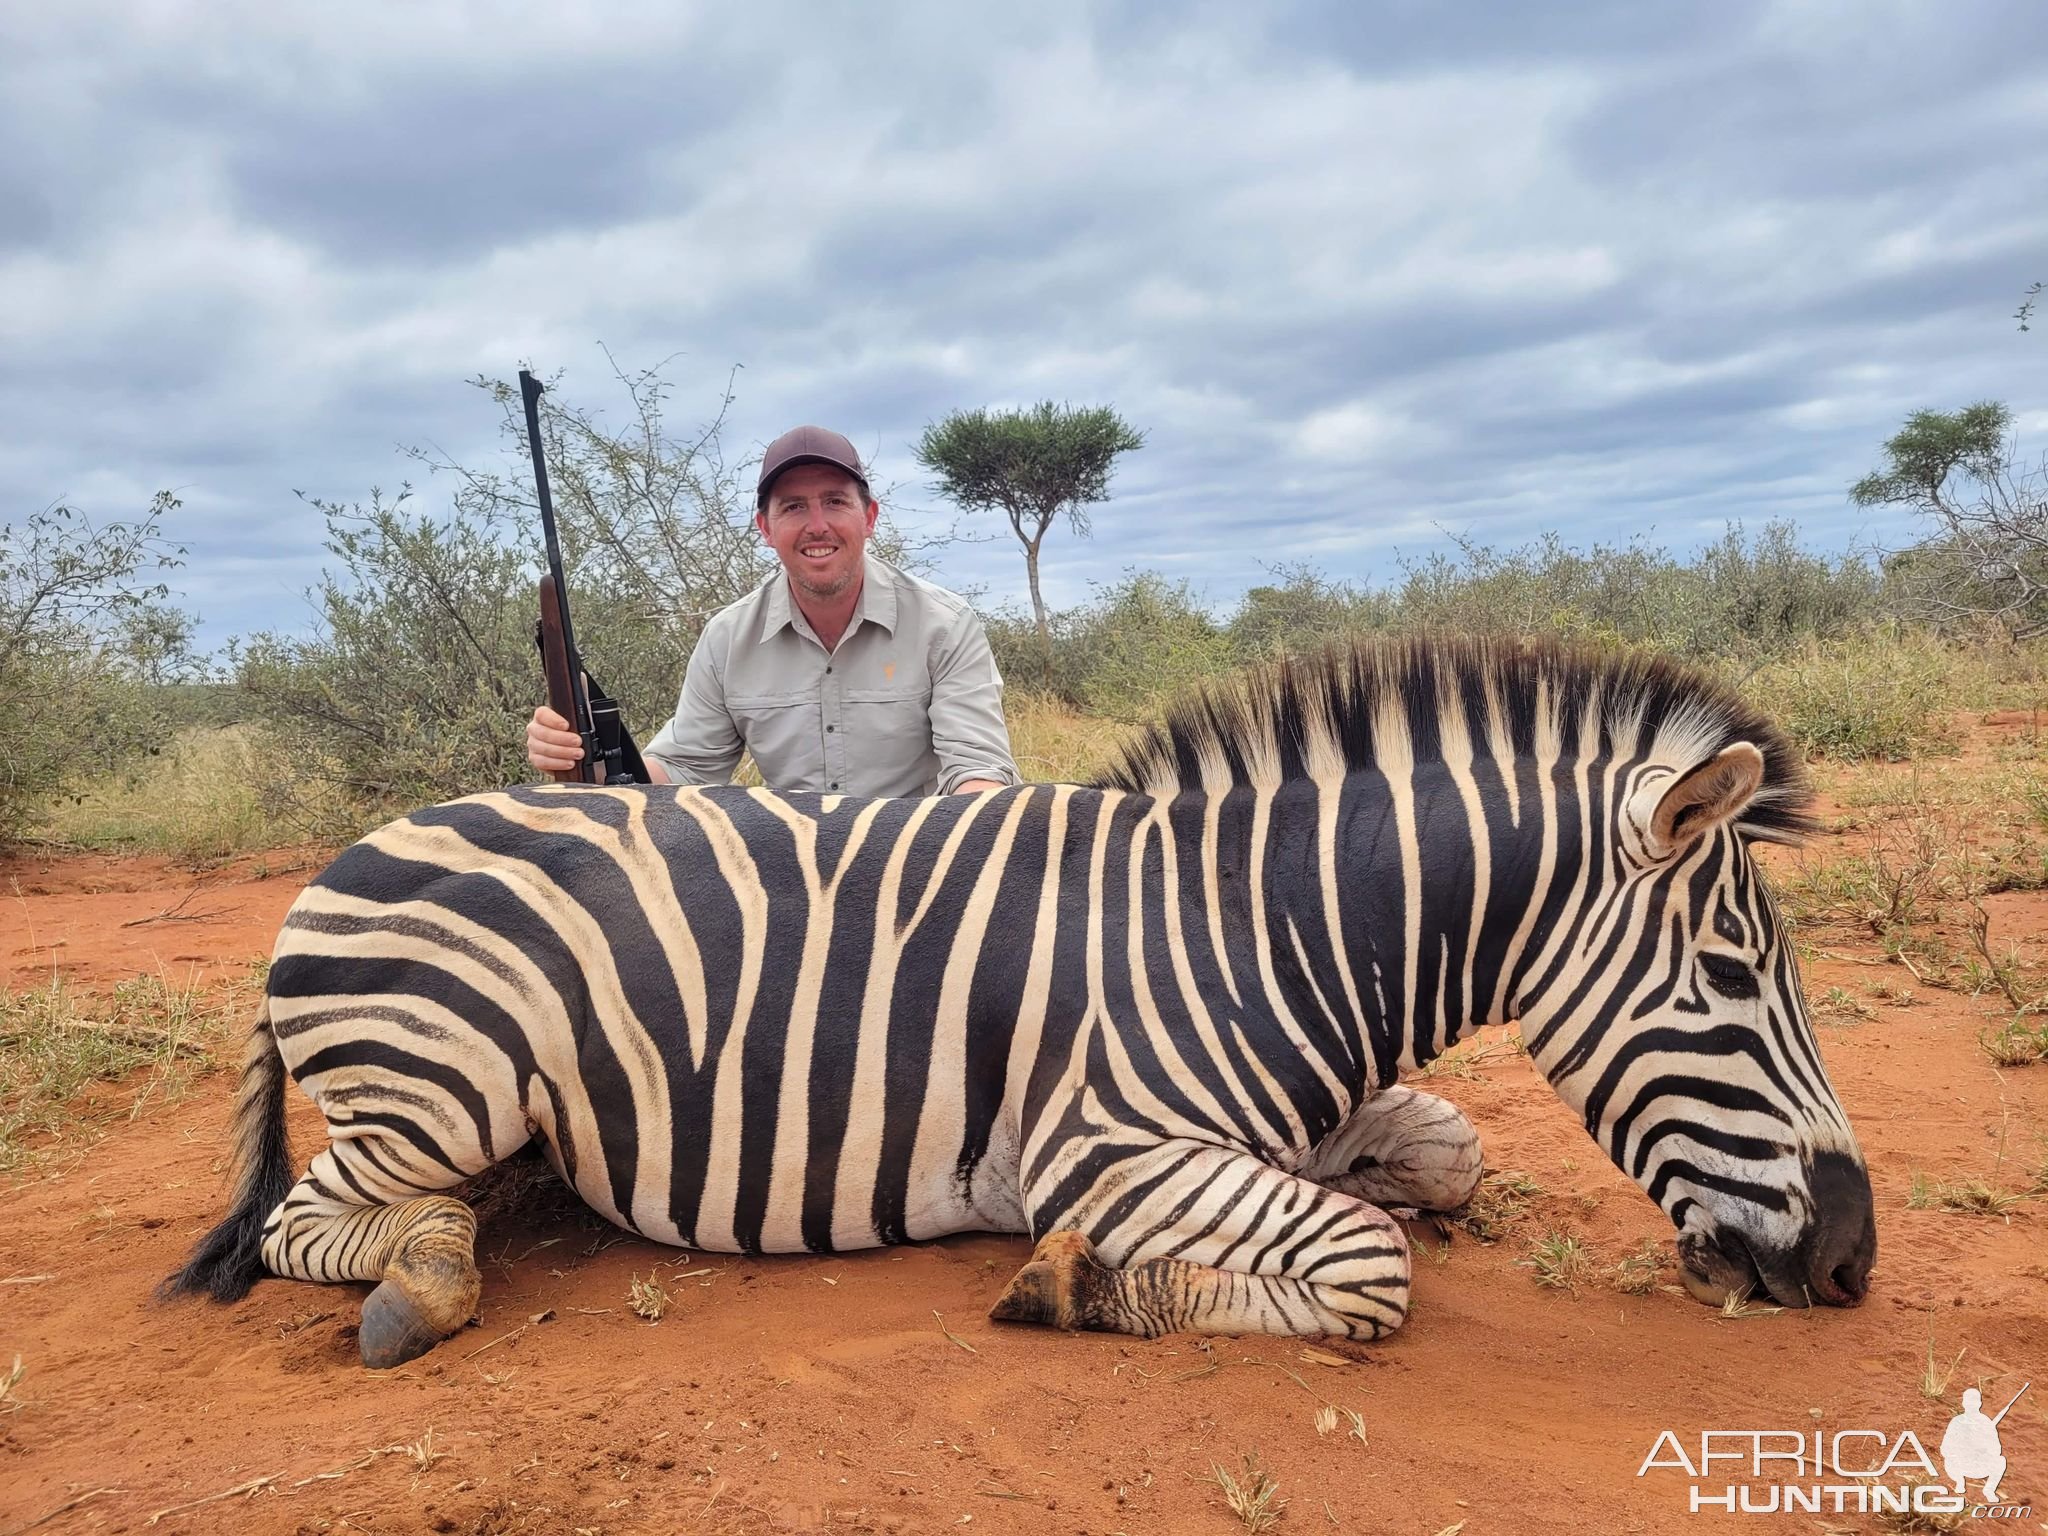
<point>1049,1289</point>
<point>393,1330</point>
<point>1032,1296</point>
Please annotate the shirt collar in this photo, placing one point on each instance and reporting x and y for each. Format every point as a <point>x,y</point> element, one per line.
<point>876,605</point>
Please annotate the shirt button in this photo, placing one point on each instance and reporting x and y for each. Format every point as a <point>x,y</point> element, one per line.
<point>828,669</point>
<point>830,728</point>
<point>835,784</point>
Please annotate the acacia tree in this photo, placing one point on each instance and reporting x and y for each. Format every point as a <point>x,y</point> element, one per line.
<point>1989,553</point>
<point>1031,465</point>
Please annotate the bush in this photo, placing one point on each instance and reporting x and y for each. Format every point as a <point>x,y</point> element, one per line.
<point>1736,597</point>
<point>418,682</point>
<point>1303,611</point>
<point>1879,694</point>
<point>87,647</point>
<point>1141,641</point>
<point>199,799</point>
<point>1748,598</point>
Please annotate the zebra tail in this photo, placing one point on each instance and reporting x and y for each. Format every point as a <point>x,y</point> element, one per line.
<point>229,1259</point>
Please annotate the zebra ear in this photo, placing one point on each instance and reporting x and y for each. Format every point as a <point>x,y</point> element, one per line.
<point>1699,800</point>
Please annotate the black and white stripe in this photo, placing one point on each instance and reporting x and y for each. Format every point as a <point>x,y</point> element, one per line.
<point>1162,1013</point>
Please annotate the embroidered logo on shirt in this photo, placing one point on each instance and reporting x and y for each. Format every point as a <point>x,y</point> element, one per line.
<point>888,671</point>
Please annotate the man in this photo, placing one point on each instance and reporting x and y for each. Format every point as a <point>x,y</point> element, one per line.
<point>1970,1448</point>
<point>840,674</point>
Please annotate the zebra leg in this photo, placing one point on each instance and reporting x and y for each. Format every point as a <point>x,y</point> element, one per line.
<point>1219,1243</point>
<point>421,1250</point>
<point>1401,1148</point>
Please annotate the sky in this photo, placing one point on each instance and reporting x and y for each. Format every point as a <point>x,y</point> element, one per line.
<point>1368,275</point>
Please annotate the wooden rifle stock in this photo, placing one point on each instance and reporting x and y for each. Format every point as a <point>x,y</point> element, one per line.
<point>561,682</point>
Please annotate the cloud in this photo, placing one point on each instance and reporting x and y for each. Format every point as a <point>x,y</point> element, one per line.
<point>1364,274</point>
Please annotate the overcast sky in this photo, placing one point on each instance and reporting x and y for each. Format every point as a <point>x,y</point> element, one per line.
<point>1360,272</point>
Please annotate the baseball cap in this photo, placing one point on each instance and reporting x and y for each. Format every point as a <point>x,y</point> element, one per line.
<point>807,445</point>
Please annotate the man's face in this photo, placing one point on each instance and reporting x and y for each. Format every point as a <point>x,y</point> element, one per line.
<point>817,521</point>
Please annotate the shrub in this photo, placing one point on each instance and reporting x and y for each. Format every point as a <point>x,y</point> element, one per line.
<point>1880,694</point>
<point>86,647</point>
<point>1140,643</point>
<point>1302,611</point>
<point>199,799</point>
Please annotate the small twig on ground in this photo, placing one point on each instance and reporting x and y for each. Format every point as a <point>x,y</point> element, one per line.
<point>176,913</point>
<point>254,1485</point>
<point>64,1508</point>
<point>949,1333</point>
<point>26,1279</point>
<point>501,1338</point>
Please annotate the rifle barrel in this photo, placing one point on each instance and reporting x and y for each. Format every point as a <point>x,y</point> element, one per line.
<point>530,390</point>
<point>2008,1407</point>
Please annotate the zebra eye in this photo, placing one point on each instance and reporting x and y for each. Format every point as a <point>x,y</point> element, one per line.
<point>1728,975</point>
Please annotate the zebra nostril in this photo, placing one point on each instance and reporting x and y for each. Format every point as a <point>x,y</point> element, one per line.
<point>1844,1245</point>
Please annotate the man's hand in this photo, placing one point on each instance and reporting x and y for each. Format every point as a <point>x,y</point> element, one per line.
<point>550,745</point>
<point>972,786</point>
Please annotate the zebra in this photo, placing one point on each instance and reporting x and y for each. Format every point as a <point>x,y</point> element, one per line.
<point>1156,1023</point>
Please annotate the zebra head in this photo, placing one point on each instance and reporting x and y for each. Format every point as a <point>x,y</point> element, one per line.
<point>1673,1021</point>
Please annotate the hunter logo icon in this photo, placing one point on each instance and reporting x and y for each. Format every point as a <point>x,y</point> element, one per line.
<point>1970,1448</point>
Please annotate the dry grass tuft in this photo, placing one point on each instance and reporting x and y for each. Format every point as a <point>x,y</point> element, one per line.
<point>648,1298</point>
<point>1917,1522</point>
<point>1253,1497</point>
<point>1464,1060</point>
<point>420,1453</point>
<point>1559,1260</point>
<point>1961,1197</point>
<point>1737,1305</point>
<point>1934,1379</point>
<point>1636,1275</point>
<point>1497,1204</point>
<point>2015,1044</point>
<point>9,1380</point>
<point>56,1043</point>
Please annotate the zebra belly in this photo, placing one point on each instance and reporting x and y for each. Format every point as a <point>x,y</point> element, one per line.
<point>987,1199</point>
<point>721,1047</point>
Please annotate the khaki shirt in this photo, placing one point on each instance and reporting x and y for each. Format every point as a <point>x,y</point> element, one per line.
<point>909,703</point>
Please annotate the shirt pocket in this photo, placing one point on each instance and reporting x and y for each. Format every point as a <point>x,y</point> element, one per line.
<point>891,734</point>
<point>891,723</point>
<point>781,732</point>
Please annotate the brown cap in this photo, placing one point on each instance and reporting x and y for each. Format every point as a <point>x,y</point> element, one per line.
<point>807,445</point>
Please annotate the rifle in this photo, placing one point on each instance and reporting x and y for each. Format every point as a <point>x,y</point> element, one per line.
<point>2008,1407</point>
<point>609,755</point>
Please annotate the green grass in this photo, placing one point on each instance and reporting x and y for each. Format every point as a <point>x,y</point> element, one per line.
<point>199,800</point>
<point>152,1039</point>
<point>1559,1261</point>
<point>2017,1043</point>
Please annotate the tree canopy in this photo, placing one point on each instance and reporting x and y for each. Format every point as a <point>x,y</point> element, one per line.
<point>1031,465</point>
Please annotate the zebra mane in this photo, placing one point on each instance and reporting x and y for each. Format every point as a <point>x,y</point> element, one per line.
<point>1373,702</point>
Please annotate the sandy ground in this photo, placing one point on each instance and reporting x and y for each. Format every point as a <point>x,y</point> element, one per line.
<point>827,1394</point>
